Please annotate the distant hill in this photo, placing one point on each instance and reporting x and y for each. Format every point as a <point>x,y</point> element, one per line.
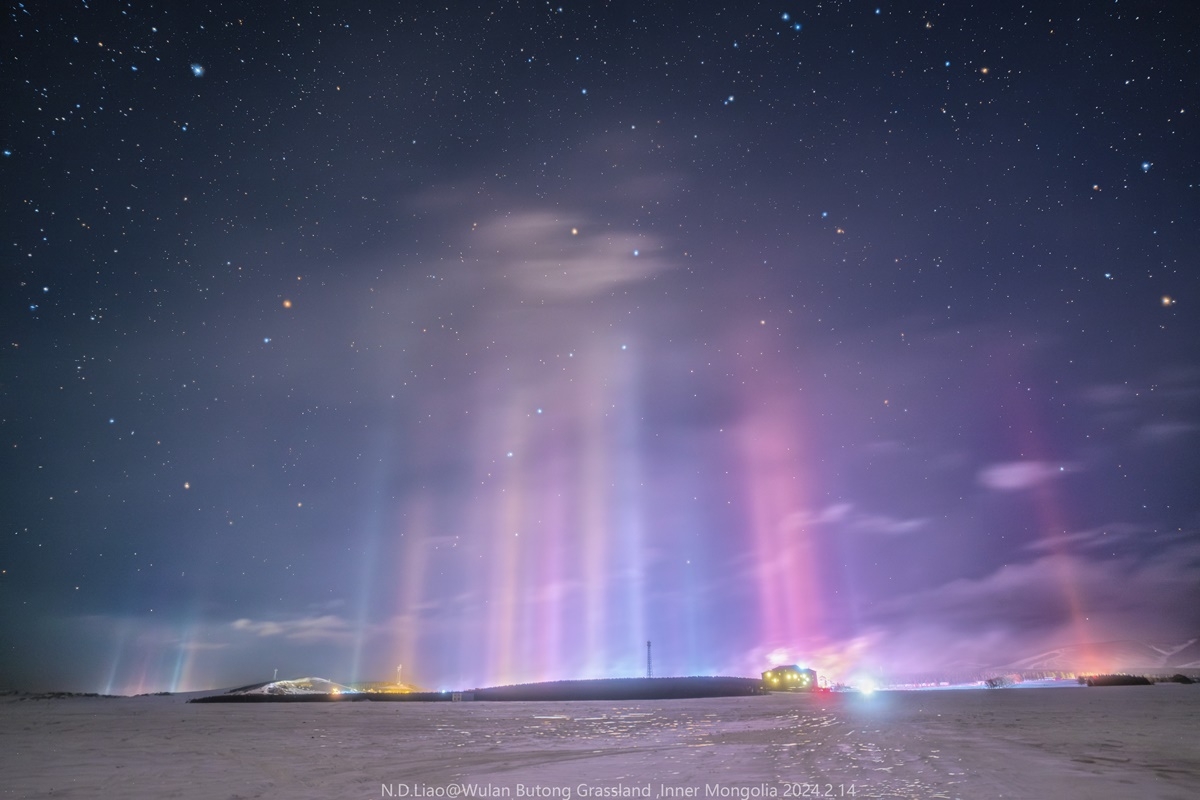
<point>626,689</point>
<point>294,686</point>
<point>1121,656</point>
<point>304,690</point>
<point>1128,656</point>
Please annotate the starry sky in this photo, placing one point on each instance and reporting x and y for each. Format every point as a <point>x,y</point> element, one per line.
<point>483,343</point>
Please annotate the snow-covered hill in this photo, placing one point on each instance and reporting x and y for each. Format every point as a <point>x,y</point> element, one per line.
<point>1120,656</point>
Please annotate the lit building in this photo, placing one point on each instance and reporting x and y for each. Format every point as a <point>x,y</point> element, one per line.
<point>790,678</point>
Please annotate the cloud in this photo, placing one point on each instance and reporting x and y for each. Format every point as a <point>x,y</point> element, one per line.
<point>850,518</point>
<point>1053,600</point>
<point>258,628</point>
<point>1110,395</point>
<point>1114,534</point>
<point>799,520</point>
<point>203,646</point>
<point>565,257</point>
<point>890,526</point>
<point>1160,432</point>
<point>326,628</point>
<point>1014,476</point>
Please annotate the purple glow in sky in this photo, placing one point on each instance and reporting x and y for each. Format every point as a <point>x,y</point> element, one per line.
<point>386,343</point>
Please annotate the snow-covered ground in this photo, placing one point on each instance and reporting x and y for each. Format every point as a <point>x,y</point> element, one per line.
<point>1138,742</point>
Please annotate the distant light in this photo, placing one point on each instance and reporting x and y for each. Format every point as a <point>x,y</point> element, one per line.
<point>266,340</point>
<point>583,91</point>
<point>198,70</point>
<point>1146,166</point>
<point>509,454</point>
<point>636,252</point>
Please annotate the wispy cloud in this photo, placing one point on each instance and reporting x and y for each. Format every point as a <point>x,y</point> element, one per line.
<point>1014,476</point>
<point>1110,395</point>
<point>326,628</point>
<point>1053,600</point>
<point>1108,536</point>
<point>848,517</point>
<point>565,257</point>
<point>1166,431</point>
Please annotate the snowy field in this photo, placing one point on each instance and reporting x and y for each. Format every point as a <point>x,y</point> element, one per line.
<point>1132,743</point>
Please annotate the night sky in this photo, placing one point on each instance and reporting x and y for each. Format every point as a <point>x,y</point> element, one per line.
<point>496,340</point>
